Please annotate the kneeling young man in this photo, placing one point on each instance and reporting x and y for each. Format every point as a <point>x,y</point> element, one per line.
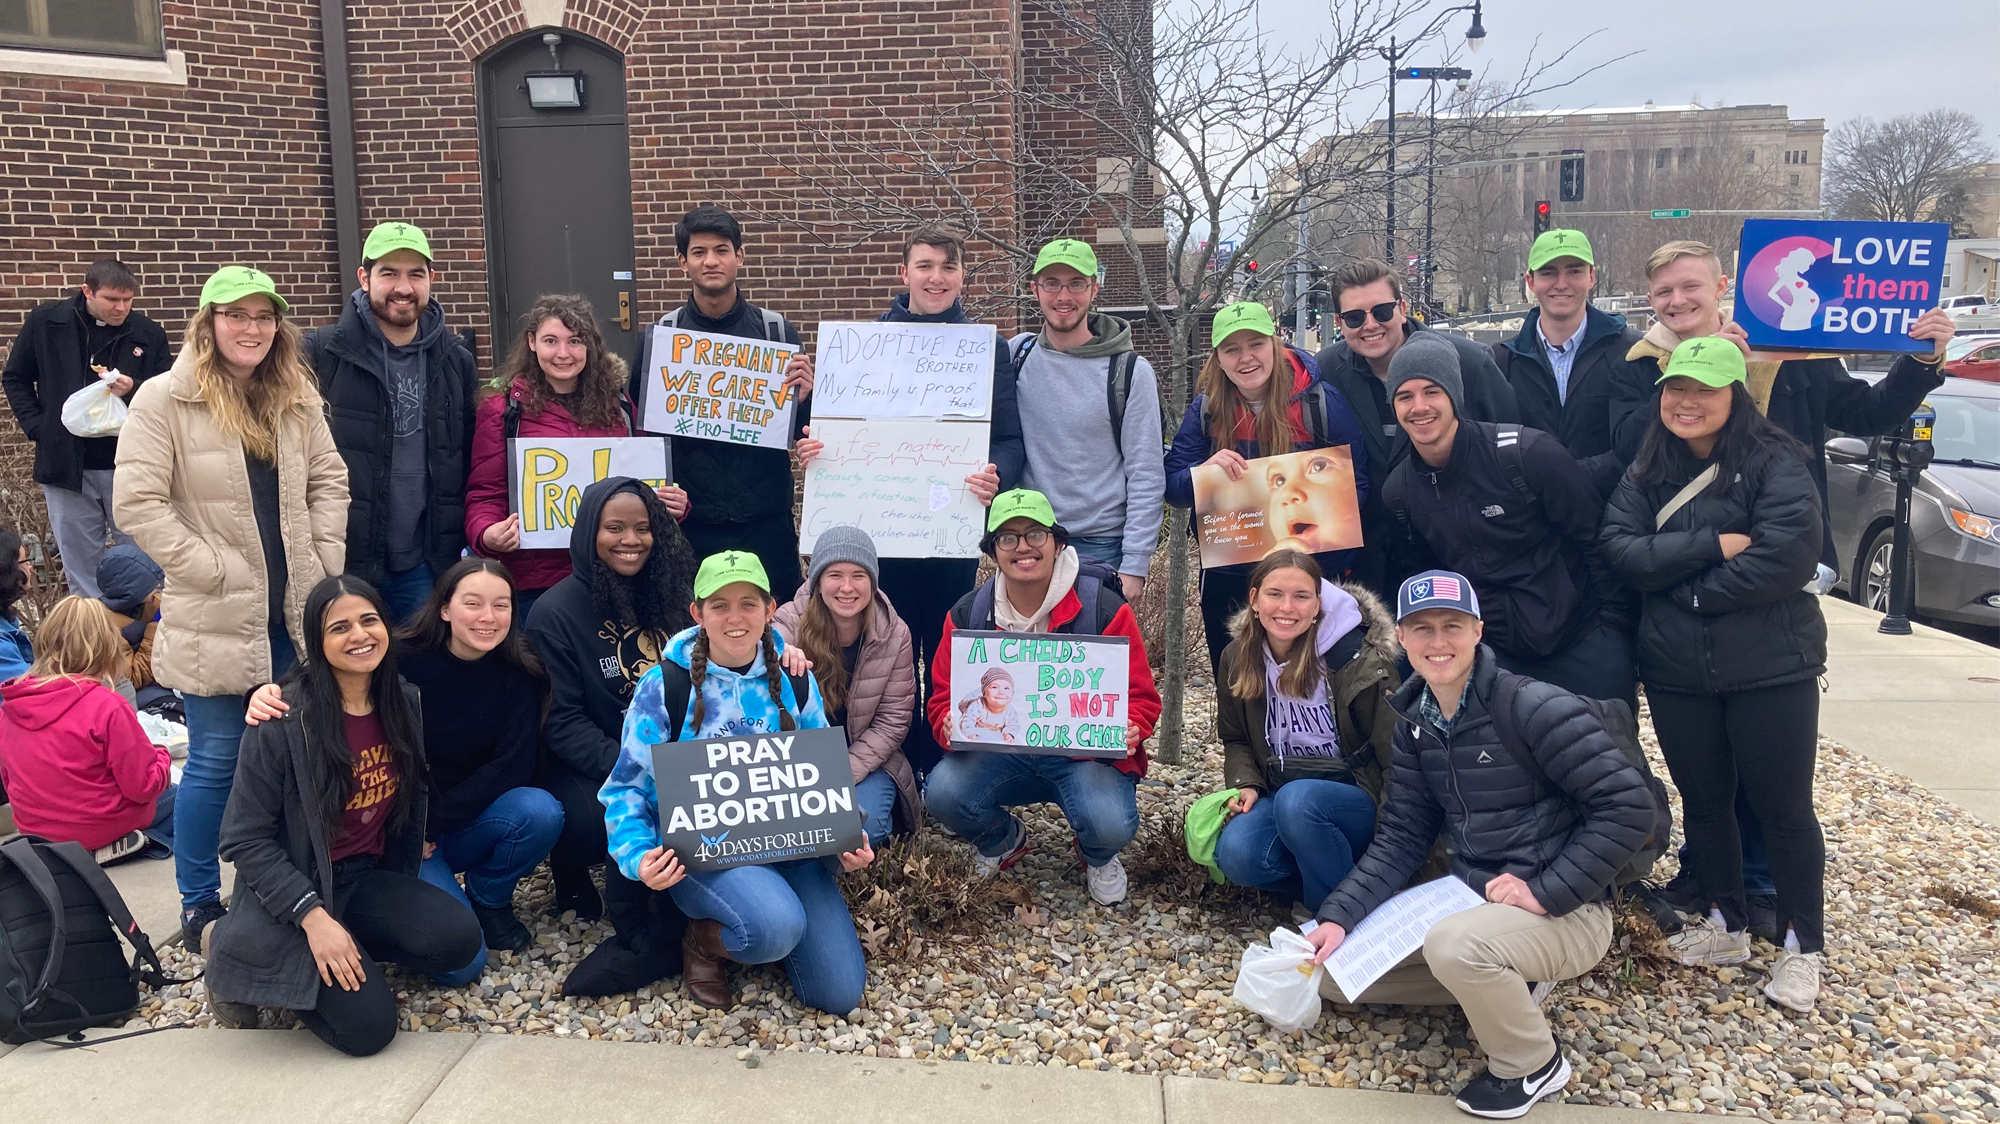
<point>1041,586</point>
<point>1544,859</point>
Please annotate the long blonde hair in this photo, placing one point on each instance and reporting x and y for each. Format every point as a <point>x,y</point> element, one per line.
<point>1225,404</point>
<point>282,385</point>
<point>78,641</point>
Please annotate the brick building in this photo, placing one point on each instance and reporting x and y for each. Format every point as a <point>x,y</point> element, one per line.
<point>204,132</point>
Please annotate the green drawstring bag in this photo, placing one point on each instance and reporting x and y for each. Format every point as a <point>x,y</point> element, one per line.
<point>1205,818</point>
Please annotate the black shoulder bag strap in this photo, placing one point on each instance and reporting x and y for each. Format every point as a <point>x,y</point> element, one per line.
<point>21,852</point>
<point>1118,393</point>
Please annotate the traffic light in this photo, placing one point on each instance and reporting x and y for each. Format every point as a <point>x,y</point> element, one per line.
<point>1571,183</point>
<point>1249,276</point>
<point>1541,217</point>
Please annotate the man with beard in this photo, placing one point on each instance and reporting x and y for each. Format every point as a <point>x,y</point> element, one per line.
<point>401,391</point>
<point>598,630</point>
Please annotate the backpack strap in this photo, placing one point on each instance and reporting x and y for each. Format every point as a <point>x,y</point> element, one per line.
<point>671,319</point>
<point>676,685</point>
<point>801,691</point>
<point>982,608</point>
<point>510,418</point>
<point>147,964</point>
<point>1505,688</point>
<point>1687,493</point>
<point>1312,410</point>
<point>1027,348</point>
<point>1118,392</point>
<point>1507,446</point>
<point>1392,498</point>
<point>21,852</point>
<point>774,326</point>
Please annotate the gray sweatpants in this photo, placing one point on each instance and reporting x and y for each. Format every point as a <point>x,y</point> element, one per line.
<point>82,521</point>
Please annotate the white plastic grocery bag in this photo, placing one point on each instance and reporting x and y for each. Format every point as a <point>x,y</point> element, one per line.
<point>94,411</point>
<point>1280,981</point>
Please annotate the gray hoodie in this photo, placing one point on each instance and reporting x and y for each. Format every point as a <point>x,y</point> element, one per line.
<point>1072,458</point>
<point>407,374</point>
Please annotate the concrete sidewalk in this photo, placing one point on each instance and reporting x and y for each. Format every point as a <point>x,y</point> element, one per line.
<point>1923,705</point>
<point>222,1076</point>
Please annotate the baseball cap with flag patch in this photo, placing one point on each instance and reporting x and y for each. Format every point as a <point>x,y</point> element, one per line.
<point>1436,589</point>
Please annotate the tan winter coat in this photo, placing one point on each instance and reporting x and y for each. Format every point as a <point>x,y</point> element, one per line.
<point>881,698</point>
<point>183,492</point>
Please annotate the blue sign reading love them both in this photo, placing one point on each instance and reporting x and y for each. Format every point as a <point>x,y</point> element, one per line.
<point>1838,286</point>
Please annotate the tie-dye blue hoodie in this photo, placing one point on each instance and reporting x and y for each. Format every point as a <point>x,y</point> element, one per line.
<point>732,704</point>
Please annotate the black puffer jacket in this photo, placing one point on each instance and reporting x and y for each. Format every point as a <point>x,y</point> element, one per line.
<point>1566,846</point>
<point>1710,626</point>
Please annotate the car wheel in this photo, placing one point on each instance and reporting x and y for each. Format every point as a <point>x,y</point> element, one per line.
<point>1875,570</point>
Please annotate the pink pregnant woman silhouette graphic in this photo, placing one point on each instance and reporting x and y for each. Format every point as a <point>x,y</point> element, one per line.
<point>1792,293</point>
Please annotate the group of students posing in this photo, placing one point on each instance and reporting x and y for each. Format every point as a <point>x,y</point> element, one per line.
<point>1573,512</point>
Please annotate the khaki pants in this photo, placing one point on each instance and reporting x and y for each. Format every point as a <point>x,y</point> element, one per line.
<point>1482,960</point>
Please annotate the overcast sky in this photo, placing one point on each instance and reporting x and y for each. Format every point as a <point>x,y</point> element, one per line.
<point>1828,58</point>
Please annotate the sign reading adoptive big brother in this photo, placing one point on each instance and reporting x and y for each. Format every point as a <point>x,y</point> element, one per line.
<point>1033,692</point>
<point>719,388</point>
<point>756,798</point>
<point>546,477</point>
<point>1838,286</point>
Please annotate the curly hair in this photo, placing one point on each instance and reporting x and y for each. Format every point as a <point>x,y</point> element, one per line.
<point>656,598</point>
<point>599,400</point>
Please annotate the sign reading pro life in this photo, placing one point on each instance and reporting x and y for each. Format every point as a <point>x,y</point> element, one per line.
<point>756,799</point>
<point>1838,286</point>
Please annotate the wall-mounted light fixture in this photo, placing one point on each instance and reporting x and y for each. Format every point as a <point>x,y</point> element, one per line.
<point>557,88</point>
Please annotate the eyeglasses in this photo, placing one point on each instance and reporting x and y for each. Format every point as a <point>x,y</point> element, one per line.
<point>241,320</point>
<point>1008,540</point>
<point>1383,313</point>
<point>1075,287</point>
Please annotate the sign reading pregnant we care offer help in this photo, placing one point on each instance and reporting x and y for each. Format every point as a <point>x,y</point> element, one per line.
<point>1033,692</point>
<point>719,388</point>
<point>546,477</point>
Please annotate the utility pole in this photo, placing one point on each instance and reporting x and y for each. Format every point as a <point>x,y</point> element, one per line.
<point>1475,38</point>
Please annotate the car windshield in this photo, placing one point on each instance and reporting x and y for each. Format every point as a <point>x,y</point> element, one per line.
<point>1964,345</point>
<point>1967,430</point>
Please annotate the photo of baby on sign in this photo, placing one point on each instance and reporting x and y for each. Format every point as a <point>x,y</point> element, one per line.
<point>1296,501</point>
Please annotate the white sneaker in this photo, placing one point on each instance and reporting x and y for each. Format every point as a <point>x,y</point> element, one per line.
<point>1106,883</point>
<point>1795,981</point>
<point>1707,942</point>
<point>984,868</point>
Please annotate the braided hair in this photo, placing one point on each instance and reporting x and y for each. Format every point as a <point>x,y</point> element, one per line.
<point>773,679</point>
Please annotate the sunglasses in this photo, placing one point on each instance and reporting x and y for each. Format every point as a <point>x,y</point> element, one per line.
<point>1355,317</point>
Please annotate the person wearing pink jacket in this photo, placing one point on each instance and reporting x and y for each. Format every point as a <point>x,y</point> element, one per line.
<point>560,382</point>
<point>77,765</point>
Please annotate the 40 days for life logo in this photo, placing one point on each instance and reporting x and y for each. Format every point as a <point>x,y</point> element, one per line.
<point>1838,286</point>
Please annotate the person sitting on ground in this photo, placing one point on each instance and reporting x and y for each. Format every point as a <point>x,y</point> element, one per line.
<point>482,694</point>
<point>726,672</point>
<point>76,763</point>
<point>128,583</point>
<point>1041,586</point>
<point>842,627</point>
<point>1542,852</point>
<point>1303,715</point>
<point>16,651</point>
<point>325,826</point>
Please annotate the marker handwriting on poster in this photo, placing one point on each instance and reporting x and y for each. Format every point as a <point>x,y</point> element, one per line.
<point>901,481</point>
<point>898,369</point>
<point>719,388</point>
<point>546,477</point>
<point>1027,692</point>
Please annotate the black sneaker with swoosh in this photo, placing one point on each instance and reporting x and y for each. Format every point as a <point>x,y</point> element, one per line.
<point>1506,1098</point>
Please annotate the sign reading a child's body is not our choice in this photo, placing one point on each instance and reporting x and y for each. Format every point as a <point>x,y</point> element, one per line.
<point>1838,286</point>
<point>754,799</point>
<point>719,388</point>
<point>1302,501</point>
<point>901,481</point>
<point>899,369</point>
<point>546,477</point>
<point>1034,692</point>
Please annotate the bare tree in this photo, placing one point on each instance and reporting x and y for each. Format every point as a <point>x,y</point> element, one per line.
<point>1906,169</point>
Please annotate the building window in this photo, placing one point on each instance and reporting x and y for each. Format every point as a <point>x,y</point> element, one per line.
<point>1795,179</point>
<point>101,27</point>
<point>1663,157</point>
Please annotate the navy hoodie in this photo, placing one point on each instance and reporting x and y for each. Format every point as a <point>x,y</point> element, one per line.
<point>1004,448</point>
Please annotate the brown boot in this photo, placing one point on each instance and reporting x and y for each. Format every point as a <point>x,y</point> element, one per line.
<point>703,976</point>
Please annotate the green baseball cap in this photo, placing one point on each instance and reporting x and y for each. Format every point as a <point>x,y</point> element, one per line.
<point>1553,244</point>
<point>718,570</point>
<point>389,237</point>
<point>1070,252</point>
<point>1017,503</point>
<point>1243,316</point>
<point>234,282</point>
<point>1717,362</point>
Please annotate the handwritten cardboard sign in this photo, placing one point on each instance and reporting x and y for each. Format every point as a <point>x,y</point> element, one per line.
<point>754,799</point>
<point>901,481</point>
<point>546,477</point>
<point>897,369</point>
<point>1296,501</point>
<point>1838,286</point>
<point>1032,692</point>
<point>719,388</point>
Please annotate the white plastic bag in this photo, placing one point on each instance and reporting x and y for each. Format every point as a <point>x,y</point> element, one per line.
<point>94,411</point>
<point>1280,982</point>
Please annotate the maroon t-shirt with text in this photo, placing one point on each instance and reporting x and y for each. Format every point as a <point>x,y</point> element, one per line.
<point>364,822</point>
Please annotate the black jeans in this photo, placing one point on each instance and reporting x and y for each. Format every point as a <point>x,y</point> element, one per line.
<point>392,917</point>
<point>773,539</point>
<point>923,590</point>
<point>582,845</point>
<point>1222,593</point>
<point>1768,739</point>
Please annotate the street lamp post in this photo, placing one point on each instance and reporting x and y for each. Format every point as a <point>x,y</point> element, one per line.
<point>1475,38</point>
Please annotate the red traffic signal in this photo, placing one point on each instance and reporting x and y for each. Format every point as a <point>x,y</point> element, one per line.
<point>1251,266</point>
<point>1541,217</point>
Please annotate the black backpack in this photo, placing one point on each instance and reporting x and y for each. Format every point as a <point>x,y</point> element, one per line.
<point>1623,727</point>
<point>1117,390</point>
<point>62,969</point>
<point>677,686</point>
<point>1506,446</point>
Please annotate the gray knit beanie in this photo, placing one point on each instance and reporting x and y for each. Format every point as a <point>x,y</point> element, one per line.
<point>1428,355</point>
<point>843,544</point>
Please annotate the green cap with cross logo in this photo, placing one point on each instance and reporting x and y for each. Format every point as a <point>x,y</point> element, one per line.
<point>1710,360</point>
<point>1553,244</point>
<point>389,237</point>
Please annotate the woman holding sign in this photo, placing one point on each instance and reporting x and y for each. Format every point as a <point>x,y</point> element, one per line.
<point>1258,398</point>
<point>560,382</point>
<point>728,683</point>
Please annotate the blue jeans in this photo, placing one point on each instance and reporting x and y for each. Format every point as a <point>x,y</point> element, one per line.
<point>1301,839</point>
<point>790,911</point>
<point>495,851</point>
<point>404,591</point>
<point>1108,549</point>
<point>971,790</point>
<point>215,731</point>
<point>876,796</point>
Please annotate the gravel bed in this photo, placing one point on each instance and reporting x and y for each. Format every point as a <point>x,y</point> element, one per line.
<point>1034,973</point>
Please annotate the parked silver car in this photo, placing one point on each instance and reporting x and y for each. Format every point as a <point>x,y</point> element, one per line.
<point>1954,514</point>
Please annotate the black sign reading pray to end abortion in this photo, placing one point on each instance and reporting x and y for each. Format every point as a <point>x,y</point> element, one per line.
<point>756,798</point>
